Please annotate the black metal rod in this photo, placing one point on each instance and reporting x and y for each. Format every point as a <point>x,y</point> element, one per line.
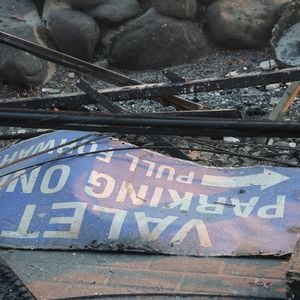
<point>140,124</point>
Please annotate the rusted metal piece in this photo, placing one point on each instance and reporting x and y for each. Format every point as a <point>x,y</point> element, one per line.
<point>86,68</point>
<point>287,100</point>
<point>293,274</point>
<point>59,274</point>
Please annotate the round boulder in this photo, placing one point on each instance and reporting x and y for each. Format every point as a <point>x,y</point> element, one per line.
<point>114,11</point>
<point>17,67</point>
<point>243,23</point>
<point>176,8</point>
<point>74,32</point>
<point>153,41</point>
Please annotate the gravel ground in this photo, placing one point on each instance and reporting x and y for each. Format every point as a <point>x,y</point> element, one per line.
<point>254,103</point>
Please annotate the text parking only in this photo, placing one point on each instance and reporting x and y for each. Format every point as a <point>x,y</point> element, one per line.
<point>62,197</point>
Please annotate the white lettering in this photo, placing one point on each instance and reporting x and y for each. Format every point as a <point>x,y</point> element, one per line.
<point>41,147</point>
<point>74,221</point>
<point>209,208</point>
<point>265,212</point>
<point>162,224</point>
<point>187,179</point>
<point>134,162</point>
<point>27,184</point>
<point>25,152</point>
<point>154,202</point>
<point>92,144</point>
<point>7,159</point>
<point>22,231</point>
<point>150,168</point>
<point>105,156</point>
<point>247,206</point>
<point>65,148</point>
<point>201,230</point>
<point>162,169</point>
<point>61,181</point>
<point>128,189</point>
<point>184,201</point>
<point>117,222</point>
<point>99,189</point>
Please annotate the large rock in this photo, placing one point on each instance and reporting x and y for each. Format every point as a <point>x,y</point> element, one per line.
<point>176,8</point>
<point>154,41</point>
<point>286,36</point>
<point>114,11</point>
<point>83,3</point>
<point>74,32</point>
<point>243,23</point>
<point>17,67</point>
<point>53,5</point>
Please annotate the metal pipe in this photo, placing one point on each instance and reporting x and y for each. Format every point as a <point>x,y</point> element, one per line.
<point>140,124</point>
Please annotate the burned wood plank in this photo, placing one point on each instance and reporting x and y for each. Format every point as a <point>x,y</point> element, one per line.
<point>86,68</point>
<point>172,76</point>
<point>202,85</point>
<point>45,102</point>
<point>99,98</point>
<point>286,101</point>
<point>293,275</point>
<point>141,124</point>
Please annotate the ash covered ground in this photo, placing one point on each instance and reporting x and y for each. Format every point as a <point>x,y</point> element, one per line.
<point>253,103</point>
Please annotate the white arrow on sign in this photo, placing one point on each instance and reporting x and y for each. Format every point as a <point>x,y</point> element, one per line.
<point>266,179</point>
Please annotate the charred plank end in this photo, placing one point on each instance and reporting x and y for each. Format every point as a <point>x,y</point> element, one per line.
<point>293,275</point>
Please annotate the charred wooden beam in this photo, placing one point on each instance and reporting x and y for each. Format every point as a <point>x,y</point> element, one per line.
<point>100,98</point>
<point>172,76</point>
<point>139,124</point>
<point>45,102</point>
<point>86,68</point>
<point>203,85</point>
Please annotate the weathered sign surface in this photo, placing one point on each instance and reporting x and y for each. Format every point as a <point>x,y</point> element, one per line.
<point>137,200</point>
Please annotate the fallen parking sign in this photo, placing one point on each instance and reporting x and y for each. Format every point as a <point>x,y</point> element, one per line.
<point>77,190</point>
